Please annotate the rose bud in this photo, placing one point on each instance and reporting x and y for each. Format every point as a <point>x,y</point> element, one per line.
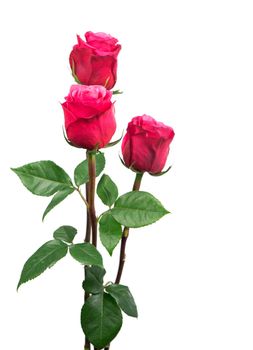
<point>94,61</point>
<point>145,147</point>
<point>89,116</point>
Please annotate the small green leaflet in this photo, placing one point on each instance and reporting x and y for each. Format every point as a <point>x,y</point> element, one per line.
<point>46,256</point>
<point>94,276</point>
<point>137,209</point>
<point>57,199</point>
<point>124,298</point>
<point>110,232</point>
<point>81,174</point>
<point>101,319</point>
<point>107,190</point>
<point>65,233</point>
<point>86,254</point>
<point>43,178</point>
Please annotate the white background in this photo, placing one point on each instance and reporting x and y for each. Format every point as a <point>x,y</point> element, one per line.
<point>188,64</point>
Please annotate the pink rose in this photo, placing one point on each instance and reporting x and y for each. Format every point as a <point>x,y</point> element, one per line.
<point>146,145</point>
<point>94,62</point>
<point>89,116</point>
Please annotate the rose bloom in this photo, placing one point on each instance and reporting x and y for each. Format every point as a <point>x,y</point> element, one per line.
<point>89,116</point>
<point>94,61</point>
<point>146,145</point>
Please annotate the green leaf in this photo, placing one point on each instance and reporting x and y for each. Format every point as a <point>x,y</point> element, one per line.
<point>107,190</point>
<point>124,298</point>
<point>43,178</point>
<point>101,319</point>
<point>110,232</point>
<point>65,233</point>
<point>57,199</point>
<point>81,174</point>
<point>86,254</point>
<point>137,209</point>
<point>94,277</point>
<point>46,256</point>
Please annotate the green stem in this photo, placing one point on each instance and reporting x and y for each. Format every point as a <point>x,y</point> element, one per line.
<point>137,181</point>
<point>82,196</point>
<point>91,196</point>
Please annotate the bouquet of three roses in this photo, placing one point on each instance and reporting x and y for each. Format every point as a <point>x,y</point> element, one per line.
<point>90,123</point>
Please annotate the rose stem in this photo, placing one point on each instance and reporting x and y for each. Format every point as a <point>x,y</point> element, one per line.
<point>91,196</point>
<point>87,239</point>
<point>88,225</point>
<point>91,224</point>
<point>122,257</point>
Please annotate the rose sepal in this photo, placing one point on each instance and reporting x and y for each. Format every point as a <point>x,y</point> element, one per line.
<point>94,150</point>
<point>111,144</point>
<point>162,172</point>
<point>131,166</point>
<point>117,92</point>
<point>74,74</point>
<point>66,139</point>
